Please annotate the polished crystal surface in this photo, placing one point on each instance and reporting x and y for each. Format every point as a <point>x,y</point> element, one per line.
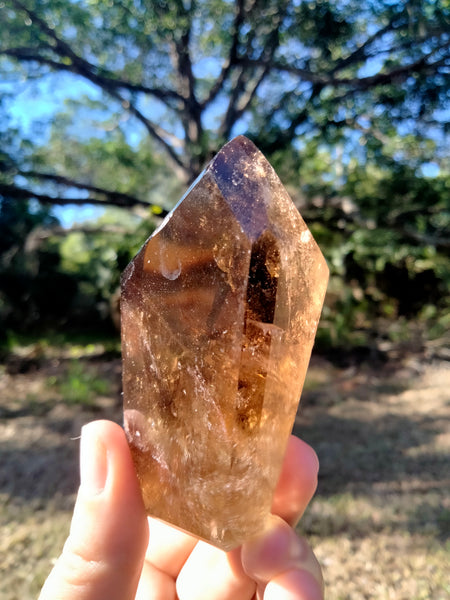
<point>219,313</point>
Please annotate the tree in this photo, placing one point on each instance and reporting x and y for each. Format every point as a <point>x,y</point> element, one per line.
<point>181,77</point>
<point>347,99</point>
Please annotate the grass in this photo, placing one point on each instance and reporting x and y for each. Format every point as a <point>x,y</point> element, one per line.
<point>71,344</point>
<point>379,546</point>
<point>379,522</point>
<point>80,384</point>
<point>32,538</point>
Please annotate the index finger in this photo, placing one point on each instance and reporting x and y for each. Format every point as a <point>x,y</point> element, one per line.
<point>298,481</point>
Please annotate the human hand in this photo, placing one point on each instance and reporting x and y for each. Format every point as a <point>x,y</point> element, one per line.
<point>108,555</point>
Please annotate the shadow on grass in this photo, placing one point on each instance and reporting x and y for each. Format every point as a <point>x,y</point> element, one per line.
<point>40,462</point>
<point>38,473</point>
<point>354,453</point>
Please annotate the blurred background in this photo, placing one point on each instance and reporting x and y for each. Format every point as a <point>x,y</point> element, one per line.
<point>108,111</point>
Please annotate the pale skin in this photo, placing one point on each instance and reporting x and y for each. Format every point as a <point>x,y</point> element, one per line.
<point>114,552</point>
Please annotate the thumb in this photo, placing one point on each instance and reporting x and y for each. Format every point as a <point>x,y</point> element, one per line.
<point>104,553</point>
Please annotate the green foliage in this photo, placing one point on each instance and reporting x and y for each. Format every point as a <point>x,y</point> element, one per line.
<point>80,385</point>
<point>25,269</point>
<point>385,235</point>
<point>184,75</point>
<point>346,99</point>
<point>62,280</point>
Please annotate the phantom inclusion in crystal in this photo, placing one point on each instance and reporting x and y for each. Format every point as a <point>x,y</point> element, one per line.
<point>219,313</point>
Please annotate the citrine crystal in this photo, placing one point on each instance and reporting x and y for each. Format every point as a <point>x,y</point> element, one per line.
<point>219,313</point>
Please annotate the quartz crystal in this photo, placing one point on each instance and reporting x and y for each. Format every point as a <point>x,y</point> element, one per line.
<point>219,313</point>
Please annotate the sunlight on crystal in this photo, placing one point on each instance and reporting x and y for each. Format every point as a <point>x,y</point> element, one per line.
<point>219,313</point>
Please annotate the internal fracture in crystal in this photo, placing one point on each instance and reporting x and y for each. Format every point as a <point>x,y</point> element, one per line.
<point>219,313</point>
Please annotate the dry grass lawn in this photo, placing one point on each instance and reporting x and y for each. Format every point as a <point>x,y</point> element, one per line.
<point>380,520</point>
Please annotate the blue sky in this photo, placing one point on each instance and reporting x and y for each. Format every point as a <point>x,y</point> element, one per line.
<point>40,100</point>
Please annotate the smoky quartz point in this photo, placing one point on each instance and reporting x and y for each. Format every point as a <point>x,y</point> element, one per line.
<point>219,313</point>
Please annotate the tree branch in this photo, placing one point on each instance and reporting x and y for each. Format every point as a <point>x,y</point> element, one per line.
<point>247,84</point>
<point>232,58</point>
<point>422,238</point>
<point>31,54</point>
<point>110,198</point>
<point>244,92</point>
<point>359,83</point>
<point>419,66</point>
<point>157,132</point>
<point>44,233</point>
<point>114,196</point>
<point>153,129</point>
<point>191,112</point>
<point>87,70</point>
<point>285,136</point>
<point>361,52</point>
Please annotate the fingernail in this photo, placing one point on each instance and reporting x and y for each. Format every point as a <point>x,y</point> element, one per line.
<point>277,549</point>
<point>297,549</point>
<point>293,585</point>
<point>93,462</point>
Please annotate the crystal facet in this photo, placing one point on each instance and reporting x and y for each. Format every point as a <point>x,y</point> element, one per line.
<point>219,313</point>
